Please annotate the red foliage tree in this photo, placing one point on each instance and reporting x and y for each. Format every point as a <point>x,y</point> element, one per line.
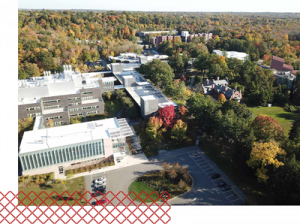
<point>266,128</point>
<point>167,115</point>
<point>182,78</point>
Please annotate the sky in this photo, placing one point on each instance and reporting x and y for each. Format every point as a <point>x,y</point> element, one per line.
<point>167,5</point>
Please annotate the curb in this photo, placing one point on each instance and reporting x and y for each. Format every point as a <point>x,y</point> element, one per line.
<point>169,199</point>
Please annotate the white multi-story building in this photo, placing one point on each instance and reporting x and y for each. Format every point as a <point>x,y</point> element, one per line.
<point>58,149</point>
<point>232,54</point>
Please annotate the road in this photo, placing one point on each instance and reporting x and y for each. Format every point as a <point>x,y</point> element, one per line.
<point>203,192</point>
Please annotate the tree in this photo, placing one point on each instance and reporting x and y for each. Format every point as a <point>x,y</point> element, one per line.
<point>181,184</point>
<point>167,115</point>
<point>294,134</point>
<point>267,128</point>
<point>108,95</point>
<point>182,111</point>
<point>176,62</point>
<point>262,155</point>
<point>154,130</point>
<point>173,174</point>
<point>222,98</point>
<point>166,166</point>
<point>182,78</point>
<point>179,131</point>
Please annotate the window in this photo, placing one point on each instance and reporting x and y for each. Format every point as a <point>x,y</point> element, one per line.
<point>57,157</point>
<point>56,123</point>
<point>61,169</point>
<point>53,157</point>
<point>74,98</point>
<point>36,163</point>
<point>74,104</point>
<point>31,160</point>
<point>53,118</point>
<point>24,164</point>
<point>52,107</point>
<point>86,93</point>
<point>33,115</point>
<point>87,98</point>
<point>33,108</point>
<point>52,101</point>
<point>93,112</point>
<point>50,158</point>
<point>76,115</point>
<point>39,160</point>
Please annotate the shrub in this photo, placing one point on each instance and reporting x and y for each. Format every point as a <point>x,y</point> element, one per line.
<point>70,175</point>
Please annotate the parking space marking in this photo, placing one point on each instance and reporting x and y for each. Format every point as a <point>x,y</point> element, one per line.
<point>236,200</point>
<point>208,170</point>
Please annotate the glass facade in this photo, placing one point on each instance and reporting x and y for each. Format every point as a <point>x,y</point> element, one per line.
<point>61,155</point>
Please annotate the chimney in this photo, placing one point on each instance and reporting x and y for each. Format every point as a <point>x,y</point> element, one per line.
<point>207,81</point>
<point>213,81</point>
<point>235,88</point>
<point>226,89</point>
<point>218,78</point>
<point>213,86</point>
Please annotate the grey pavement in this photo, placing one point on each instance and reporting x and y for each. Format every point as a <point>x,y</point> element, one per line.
<point>203,192</point>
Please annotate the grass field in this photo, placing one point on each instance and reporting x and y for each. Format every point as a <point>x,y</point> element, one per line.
<point>71,186</point>
<point>284,118</point>
<point>138,187</point>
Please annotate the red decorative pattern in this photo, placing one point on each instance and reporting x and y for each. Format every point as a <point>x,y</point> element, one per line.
<point>116,210</point>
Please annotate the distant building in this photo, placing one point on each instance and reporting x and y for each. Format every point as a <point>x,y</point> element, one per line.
<point>160,39</point>
<point>186,37</point>
<point>145,33</point>
<point>217,87</point>
<point>284,78</point>
<point>279,64</point>
<point>232,54</point>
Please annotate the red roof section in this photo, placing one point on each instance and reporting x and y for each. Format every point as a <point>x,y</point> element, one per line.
<point>278,64</point>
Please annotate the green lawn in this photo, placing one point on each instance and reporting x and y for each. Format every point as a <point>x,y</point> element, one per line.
<point>71,186</point>
<point>284,118</point>
<point>112,107</point>
<point>138,187</point>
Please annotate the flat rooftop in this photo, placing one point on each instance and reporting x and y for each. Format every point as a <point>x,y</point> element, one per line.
<point>42,139</point>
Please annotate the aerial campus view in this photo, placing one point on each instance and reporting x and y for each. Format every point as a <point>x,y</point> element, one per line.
<point>203,106</point>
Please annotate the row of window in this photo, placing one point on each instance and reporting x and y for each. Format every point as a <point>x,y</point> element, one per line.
<point>33,108</point>
<point>83,108</point>
<point>33,115</point>
<point>57,156</point>
<point>74,98</point>
<point>87,98</point>
<point>52,101</point>
<point>118,144</point>
<point>85,93</point>
<point>108,87</point>
<point>108,83</point>
<point>76,115</point>
<point>53,118</point>
<point>93,112</point>
<point>55,123</point>
<point>74,104</point>
<point>52,107</point>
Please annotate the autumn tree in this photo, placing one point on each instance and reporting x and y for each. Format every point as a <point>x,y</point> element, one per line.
<point>182,111</point>
<point>263,155</point>
<point>181,184</point>
<point>222,98</point>
<point>173,174</point>
<point>179,131</point>
<point>267,128</point>
<point>167,115</point>
<point>154,129</point>
<point>50,123</point>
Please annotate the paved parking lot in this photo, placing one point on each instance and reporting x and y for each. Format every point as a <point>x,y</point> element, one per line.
<point>231,195</point>
<point>204,191</point>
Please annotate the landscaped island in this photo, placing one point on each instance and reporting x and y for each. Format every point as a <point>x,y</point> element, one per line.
<point>173,179</point>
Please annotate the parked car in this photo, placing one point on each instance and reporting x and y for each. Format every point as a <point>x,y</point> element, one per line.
<point>101,202</point>
<point>101,188</point>
<point>215,176</point>
<point>222,184</point>
<point>99,184</point>
<point>226,188</point>
<point>100,180</point>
